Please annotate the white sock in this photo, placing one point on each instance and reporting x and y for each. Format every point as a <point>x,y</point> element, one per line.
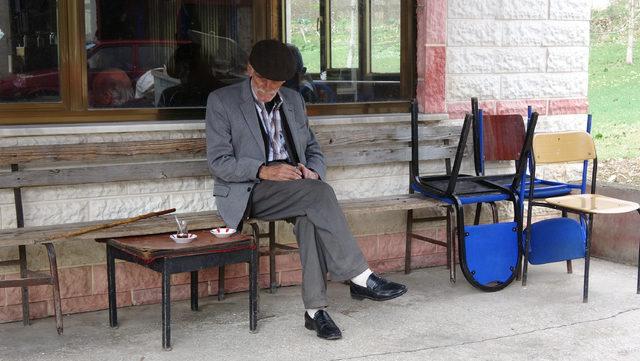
<point>361,279</point>
<point>312,311</point>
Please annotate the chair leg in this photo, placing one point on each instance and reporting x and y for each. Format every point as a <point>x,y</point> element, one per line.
<point>519,271</point>
<point>451,242</point>
<point>569,264</point>
<point>494,212</point>
<point>587,257</point>
<point>459,231</point>
<point>638,286</point>
<point>448,240</point>
<point>476,220</point>
<point>25,290</point>
<point>525,258</point>
<point>407,244</point>
<point>57,304</point>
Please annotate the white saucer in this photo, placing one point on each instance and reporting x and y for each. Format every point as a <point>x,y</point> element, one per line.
<point>177,239</point>
<point>223,232</point>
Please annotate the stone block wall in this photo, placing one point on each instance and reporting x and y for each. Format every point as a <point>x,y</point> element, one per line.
<point>508,53</point>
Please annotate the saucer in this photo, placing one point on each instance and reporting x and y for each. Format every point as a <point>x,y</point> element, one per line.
<point>177,239</point>
<point>223,232</point>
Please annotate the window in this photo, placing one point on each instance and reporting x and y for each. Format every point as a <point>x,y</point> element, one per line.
<point>351,49</point>
<point>164,54</point>
<point>29,70</point>
<point>113,60</point>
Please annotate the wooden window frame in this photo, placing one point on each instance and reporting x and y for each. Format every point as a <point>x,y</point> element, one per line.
<point>267,23</point>
<point>408,75</point>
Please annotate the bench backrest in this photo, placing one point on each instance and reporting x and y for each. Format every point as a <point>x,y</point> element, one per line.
<point>343,145</point>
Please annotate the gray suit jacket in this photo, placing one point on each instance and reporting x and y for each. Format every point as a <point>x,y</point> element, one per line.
<point>235,147</point>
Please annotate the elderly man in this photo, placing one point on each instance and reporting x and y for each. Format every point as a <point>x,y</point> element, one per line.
<point>267,164</point>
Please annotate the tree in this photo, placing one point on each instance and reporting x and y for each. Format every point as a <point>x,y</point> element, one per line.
<point>631,31</point>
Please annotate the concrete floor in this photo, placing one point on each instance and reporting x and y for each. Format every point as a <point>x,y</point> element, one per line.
<point>433,321</point>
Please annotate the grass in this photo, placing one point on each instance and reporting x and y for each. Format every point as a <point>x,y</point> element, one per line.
<point>385,43</point>
<point>614,101</point>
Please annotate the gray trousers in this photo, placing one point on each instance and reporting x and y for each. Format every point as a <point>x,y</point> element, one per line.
<point>325,241</point>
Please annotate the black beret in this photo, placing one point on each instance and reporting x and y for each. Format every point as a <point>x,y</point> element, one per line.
<point>272,60</point>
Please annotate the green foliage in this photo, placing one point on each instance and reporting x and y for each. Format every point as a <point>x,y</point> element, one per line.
<point>610,25</point>
<point>614,99</point>
<point>385,35</point>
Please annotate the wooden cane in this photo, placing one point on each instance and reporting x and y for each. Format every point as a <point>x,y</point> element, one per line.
<point>103,226</point>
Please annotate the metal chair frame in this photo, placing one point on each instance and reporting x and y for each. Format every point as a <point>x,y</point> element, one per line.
<point>586,217</point>
<point>489,191</point>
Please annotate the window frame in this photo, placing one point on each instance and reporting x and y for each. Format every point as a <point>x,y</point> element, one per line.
<point>268,22</point>
<point>408,71</point>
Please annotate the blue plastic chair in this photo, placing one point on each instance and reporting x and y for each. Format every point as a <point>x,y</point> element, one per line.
<point>489,254</point>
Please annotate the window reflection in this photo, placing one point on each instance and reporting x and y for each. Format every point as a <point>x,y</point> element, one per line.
<point>29,51</point>
<point>173,52</point>
<point>350,49</point>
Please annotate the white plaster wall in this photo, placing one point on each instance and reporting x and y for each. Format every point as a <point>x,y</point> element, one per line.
<point>517,49</point>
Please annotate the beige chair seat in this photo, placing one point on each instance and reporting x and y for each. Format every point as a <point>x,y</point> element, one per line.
<point>593,203</point>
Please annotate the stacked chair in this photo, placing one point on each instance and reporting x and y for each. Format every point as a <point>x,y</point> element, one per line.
<point>490,148</point>
<point>492,143</point>
<point>489,254</point>
<point>563,238</point>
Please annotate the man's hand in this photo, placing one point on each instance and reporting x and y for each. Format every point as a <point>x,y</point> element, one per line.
<point>279,172</point>
<point>307,173</point>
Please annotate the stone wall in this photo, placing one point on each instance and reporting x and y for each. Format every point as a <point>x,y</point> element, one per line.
<point>508,53</point>
<point>615,236</point>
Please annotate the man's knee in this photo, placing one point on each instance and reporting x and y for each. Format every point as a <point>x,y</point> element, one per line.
<point>320,189</point>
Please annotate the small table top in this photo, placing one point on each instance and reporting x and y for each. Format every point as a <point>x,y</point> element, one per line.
<point>150,247</point>
<point>593,203</point>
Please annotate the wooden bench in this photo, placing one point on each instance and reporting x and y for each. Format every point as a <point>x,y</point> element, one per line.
<point>344,145</point>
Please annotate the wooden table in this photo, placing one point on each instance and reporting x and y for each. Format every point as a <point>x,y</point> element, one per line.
<point>159,253</point>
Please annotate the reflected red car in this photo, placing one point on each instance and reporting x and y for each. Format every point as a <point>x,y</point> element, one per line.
<point>134,57</point>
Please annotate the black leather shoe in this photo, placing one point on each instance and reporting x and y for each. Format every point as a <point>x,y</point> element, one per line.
<point>323,324</point>
<point>378,289</point>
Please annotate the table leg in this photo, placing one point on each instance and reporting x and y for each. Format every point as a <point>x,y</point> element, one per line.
<point>253,290</point>
<point>166,306</point>
<point>194,291</point>
<point>273,284</point>
<point>111,282</point>
<point>220,282</point>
